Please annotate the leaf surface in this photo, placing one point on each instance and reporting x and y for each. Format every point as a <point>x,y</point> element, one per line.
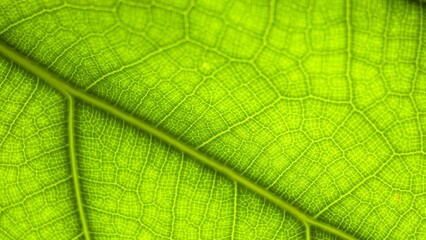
<point>212,120</point>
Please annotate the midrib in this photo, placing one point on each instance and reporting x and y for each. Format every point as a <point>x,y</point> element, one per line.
<point>68,90</point>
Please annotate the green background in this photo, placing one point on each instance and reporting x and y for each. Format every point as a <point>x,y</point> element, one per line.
<point>321,103</point>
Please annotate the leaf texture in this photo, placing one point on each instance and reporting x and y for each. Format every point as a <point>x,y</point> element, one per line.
<point>212,119</point>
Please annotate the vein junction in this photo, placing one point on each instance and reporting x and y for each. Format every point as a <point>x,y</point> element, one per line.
<point>71,92</point>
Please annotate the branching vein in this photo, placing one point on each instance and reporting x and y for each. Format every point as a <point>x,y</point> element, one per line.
<point>68,90</point>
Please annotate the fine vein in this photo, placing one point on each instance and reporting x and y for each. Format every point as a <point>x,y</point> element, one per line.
<point>74,168</point>
<point>62,86</point>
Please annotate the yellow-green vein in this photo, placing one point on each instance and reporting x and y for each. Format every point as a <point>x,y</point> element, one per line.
<point>307,231</point>
<point>74,168</point>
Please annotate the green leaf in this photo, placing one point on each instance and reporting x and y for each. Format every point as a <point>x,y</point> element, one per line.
<point>212,119</point>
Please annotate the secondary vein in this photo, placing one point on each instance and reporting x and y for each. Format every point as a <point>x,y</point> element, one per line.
<point>68,90</point>
<point>234,220</point>
<point>74,168</point>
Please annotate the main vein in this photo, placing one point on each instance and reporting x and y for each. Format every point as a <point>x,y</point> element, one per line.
<point>68,90</point>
